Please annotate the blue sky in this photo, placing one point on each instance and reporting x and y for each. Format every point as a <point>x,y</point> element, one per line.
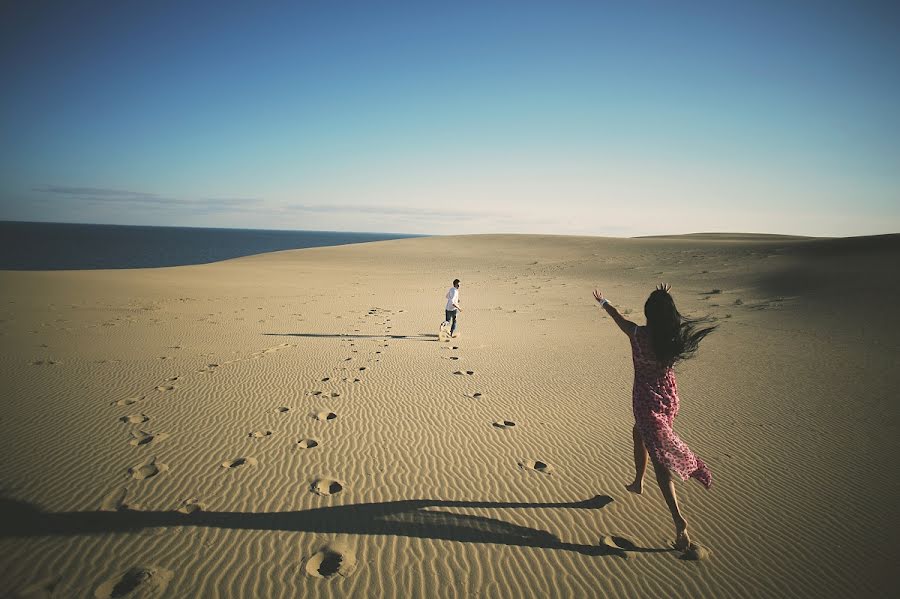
<point>599,118</point>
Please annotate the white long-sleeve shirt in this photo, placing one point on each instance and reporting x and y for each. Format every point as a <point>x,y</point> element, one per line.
<point>452,298</point>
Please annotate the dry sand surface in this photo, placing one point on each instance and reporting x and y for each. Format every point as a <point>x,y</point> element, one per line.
<point>290,425</point>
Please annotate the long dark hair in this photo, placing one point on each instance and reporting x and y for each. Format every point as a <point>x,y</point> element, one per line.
<point>674,337</point>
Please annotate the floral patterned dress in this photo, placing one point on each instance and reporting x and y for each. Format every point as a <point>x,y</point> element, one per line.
<point>655,404</point>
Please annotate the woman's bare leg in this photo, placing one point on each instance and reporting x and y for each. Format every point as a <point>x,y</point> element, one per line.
<point>664,480</point>
<point>640,463</point>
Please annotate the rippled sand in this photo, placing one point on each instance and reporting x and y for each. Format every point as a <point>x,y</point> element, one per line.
<point>290,424</point>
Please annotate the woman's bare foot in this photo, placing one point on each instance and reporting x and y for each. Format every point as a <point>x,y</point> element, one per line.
<point>636,487</point>
<point>682,540</point>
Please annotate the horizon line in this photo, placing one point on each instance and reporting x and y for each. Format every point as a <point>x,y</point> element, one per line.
<point>694,234</point>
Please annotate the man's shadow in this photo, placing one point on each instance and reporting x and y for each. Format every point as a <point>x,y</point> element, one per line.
<point>351,336</point>
<point>409,518</point>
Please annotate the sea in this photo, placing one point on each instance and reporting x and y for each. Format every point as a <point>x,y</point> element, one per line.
<point>67,246</point>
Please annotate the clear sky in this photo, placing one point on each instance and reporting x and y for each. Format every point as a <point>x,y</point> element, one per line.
<point>599,118</point>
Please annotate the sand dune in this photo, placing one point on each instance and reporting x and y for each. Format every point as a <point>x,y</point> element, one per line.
<point>290,424</point>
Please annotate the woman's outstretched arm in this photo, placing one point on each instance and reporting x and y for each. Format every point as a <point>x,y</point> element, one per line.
<point>626,325</point>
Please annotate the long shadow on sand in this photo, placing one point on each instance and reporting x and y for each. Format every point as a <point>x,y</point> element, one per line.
<point>419,337</point>
<point>409,518</point>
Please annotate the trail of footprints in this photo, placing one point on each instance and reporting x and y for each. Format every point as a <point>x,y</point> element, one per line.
<point>502,424</point>
<point>330,560</point>
<point>153,580</point>
<point>320,565</point>
<point>151,467</point>
<point>168,385</point>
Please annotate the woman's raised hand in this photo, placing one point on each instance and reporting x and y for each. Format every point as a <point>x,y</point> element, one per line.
<point>664,287</point>
<point>598,295</point>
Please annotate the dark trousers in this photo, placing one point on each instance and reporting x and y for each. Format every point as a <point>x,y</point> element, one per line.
<point>451,318</point>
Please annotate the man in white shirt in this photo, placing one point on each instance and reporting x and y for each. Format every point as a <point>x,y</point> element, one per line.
<point>452,307</point>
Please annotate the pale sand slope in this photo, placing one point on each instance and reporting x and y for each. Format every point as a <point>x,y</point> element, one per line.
<point>792,402</point>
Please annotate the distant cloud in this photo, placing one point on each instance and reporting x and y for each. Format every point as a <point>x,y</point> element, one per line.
<point>94,191</point>
<point>143,199</point>
<point>215,211</point>
<point>396,211</point>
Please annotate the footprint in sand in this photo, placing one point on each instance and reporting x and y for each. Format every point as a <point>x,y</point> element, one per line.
<point>190,506</point>
<point>147,469</point>
<point>144,438</point>
<point>165,388</point>
<point>282,409</point>
<point>475,395</point>
<point>307,443</point>
<point>139,581</point>
<point>695,553</point>
<point>314,394</point>
<point>238,462</point>
<point>335,394</point>
<point>326,486</point>
<point>504,424</point>
<point>134,419</point>
<point>324,416</point>
<point>329,561</point>
<point>537,466</point>
<point>115,501</point>
<point>128,401</point>
<point>469,372</point>
<point>259,434</point>
<point>326,379</point>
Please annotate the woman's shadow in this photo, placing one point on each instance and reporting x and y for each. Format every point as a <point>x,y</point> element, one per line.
<point>409,518</point>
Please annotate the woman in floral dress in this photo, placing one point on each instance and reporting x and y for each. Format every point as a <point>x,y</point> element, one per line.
<point>666,339</point>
